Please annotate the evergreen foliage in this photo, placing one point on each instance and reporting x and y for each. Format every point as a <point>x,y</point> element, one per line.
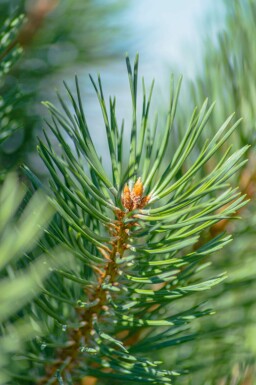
<point>227,73</point>
<point>55,36</point>
<point>20,278</point>
<point>136,241</point>
<point>21,225</point>
<point>140,288</point>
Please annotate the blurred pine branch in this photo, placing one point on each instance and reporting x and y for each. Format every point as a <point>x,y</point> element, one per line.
<point>57,37</point>
<point>227,74</point>
<point>20,278</point>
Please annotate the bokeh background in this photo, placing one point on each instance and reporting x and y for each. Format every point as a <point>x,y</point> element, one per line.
<point>212,43</point>
<point>65,37</point>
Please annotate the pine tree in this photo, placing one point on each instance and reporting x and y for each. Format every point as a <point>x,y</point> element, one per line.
<point>141,238</point>
<point>136,238</point>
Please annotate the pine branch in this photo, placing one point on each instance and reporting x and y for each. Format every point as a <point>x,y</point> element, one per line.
<point>135,240</point>
<point>20,281</point>
<point>229,64</point>
<point>89,313</point>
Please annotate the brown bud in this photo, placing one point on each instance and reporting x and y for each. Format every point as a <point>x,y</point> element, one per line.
<point>136,194</point>
<point>126,198</point>
<point>137,190</point>
<point>134,199</point>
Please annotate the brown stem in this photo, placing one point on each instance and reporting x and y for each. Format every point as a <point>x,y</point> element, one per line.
<point>97,295</point>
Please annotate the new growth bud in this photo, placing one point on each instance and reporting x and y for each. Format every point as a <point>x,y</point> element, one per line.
<point>133,199</point>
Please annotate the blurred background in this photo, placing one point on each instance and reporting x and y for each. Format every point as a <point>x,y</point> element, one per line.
<point>212,45</point>
<point>61,38</point>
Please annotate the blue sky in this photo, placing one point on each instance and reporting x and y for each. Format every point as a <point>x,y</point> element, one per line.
<point>168,34</point>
